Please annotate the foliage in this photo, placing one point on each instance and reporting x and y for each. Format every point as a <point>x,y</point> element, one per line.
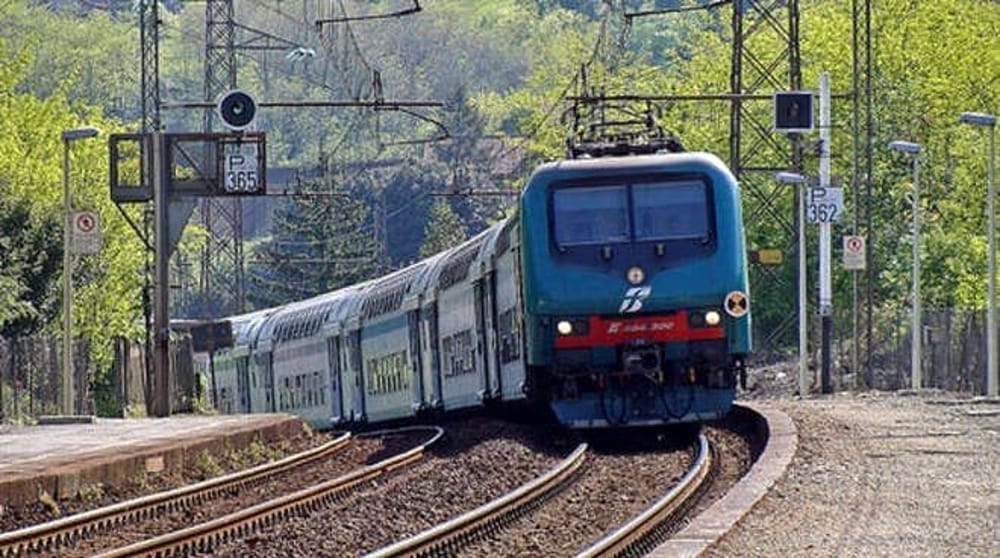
<point>320,242</point>
<point>444,230</point>
<point>106,293</point>
<point>87,59</point>
<point>30,260</point>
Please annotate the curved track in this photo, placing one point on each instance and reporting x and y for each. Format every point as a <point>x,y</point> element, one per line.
<point>636,536</point>
<point>204,536</point>
<point>53,534</point>
<point>457,535</point>
<point>447,537</point>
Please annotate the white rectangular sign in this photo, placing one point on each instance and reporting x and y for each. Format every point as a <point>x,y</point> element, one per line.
<point>85,232</point>
<point>240,172</point>
<point>825,205</point>
<point>854,252</point>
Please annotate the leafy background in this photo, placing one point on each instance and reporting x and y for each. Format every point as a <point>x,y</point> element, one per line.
<point>502,68</point>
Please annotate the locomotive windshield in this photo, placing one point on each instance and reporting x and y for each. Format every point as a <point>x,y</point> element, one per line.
<point>645,211</point>
<point>591,215</point>
<point>670,211</point>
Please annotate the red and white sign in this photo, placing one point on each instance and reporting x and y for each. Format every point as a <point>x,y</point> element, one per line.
<point>854,252</point>
<point>85,232</point>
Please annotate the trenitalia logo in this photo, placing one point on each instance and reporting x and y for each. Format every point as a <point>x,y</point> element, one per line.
<point>633,299</point>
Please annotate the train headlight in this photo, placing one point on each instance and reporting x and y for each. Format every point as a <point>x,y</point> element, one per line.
<point>712,318</point>
<point>704,318</point>
<point>573,326</point>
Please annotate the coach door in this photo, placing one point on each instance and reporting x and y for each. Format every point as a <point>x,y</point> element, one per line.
<point>336,393</point>
<point>243,383</point>
<point>484,318</point>
<point>416,357</point>
<point>354,360</point>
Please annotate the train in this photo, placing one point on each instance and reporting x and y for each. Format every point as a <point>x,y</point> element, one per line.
<point>615,296</point>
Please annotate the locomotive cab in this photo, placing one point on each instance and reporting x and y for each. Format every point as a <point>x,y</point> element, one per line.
<point>635,289</point>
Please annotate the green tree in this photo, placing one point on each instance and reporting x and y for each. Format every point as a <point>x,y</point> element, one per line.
<point>30,265</point>
<point>319,243</point>
<point>444,229</point>
<point>107,285</point>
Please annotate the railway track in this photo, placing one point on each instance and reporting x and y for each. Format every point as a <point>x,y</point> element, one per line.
<point>459,534</point>
<point>53,534</point>
<point>204,536</point>
<point>642,533</point>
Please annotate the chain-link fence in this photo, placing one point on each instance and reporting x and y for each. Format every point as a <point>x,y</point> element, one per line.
<point>953,351</point>
<point>31,375</point>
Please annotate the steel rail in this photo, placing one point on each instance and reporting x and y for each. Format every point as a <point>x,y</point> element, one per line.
<point>204,536</point>
<point>621,541</point>
<point>46,536</point>
<point>440,539</point>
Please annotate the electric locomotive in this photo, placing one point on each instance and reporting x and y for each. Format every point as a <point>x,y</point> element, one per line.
<point>617,296</point>
<point>635,289</point>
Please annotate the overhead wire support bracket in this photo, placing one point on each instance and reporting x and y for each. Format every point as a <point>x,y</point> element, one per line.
<point>262,40</point>
<point>401,13</point>
<point>629,16</point>
<point>380,104</point>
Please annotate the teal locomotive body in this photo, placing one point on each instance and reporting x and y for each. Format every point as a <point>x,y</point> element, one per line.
<point>635,289</point>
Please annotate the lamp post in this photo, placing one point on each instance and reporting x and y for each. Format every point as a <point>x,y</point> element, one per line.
<point>915,349</point>
<point>69,136</point>
<point>795,178</point>
<point>992,380</point>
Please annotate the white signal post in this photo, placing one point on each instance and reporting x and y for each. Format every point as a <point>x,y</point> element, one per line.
<point>825,290</point>
<point>69,136</point>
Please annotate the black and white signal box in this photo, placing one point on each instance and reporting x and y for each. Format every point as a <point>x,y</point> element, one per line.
<point>793,112</point>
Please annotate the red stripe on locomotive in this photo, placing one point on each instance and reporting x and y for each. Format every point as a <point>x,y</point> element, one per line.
<point>655,329</point>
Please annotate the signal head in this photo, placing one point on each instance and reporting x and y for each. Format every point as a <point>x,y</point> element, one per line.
<point>237,109</point>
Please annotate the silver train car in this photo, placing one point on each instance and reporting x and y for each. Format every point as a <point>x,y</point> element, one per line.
<point>440,335</point>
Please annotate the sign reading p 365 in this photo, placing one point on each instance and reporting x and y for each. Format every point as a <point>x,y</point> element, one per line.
<point>825,205</point>
<point>240,169</point>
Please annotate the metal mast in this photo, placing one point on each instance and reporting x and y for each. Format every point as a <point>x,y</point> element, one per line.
<point>223,288</point>
<point>756,153</point>
<point>149,38</point>
<point>861,185</point>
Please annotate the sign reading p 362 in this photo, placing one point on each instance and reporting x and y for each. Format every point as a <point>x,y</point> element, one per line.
<point>240,169</point>
<point>825,205</point>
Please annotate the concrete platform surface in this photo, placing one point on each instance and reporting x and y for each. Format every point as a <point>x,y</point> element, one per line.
<point>63,458</point>
<point>880,474</point>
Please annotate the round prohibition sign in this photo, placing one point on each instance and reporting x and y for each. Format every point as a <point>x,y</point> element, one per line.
<point>737,304</point>
<point>85,222</point>
<point>855,244</point>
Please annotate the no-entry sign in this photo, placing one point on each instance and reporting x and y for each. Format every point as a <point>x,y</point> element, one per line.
<point>854,252</point>
<point>85,232</point>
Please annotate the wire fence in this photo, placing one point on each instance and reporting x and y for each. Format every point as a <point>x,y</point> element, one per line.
<point>31,374</point>
<point>953,352</point>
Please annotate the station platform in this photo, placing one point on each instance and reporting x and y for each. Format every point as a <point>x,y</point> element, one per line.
<point>60,459</point>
